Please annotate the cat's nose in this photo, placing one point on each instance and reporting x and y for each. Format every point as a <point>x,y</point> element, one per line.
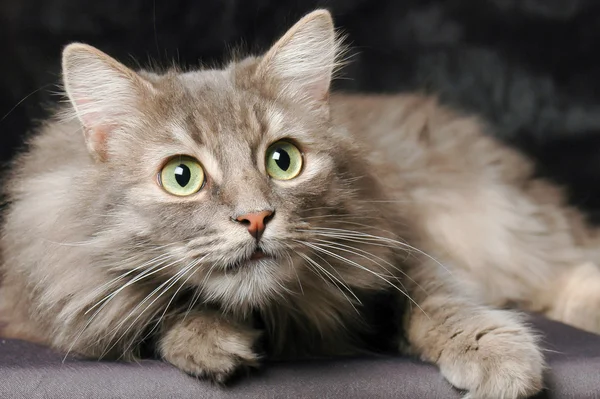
<point>256,222</point>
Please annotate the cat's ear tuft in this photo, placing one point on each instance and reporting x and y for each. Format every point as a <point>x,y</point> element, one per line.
<point>105,94</point>
<point>304,59</point>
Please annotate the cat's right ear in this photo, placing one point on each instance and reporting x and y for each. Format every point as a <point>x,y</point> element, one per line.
<point>105,94</point>
<point>303,61</point>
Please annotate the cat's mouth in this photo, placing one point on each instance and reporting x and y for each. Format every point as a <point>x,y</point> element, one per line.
<point>258,254</point>
<point>246,261</point>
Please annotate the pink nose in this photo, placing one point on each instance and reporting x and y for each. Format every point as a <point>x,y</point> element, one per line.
<point>256,222</point>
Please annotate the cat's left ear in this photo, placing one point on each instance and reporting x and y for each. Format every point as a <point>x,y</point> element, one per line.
<point>106,95</point>
<point>304,59</point>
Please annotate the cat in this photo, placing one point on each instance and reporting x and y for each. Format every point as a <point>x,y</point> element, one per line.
<point>221,215</point>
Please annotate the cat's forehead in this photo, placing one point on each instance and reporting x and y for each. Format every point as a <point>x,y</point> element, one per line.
<point>206,114</point>
<point>206,81</point>
<point>215,111</point>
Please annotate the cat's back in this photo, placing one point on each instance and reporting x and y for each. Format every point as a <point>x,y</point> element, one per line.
<point>376,114</point>
<point>418,135</point>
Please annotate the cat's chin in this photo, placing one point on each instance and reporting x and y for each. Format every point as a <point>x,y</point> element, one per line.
<point>257,258</point>
<point>251,283</point>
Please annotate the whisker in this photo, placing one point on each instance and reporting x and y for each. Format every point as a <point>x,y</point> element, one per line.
<point>343,218</point>
<point>23,99</point>
<point>365,254</point>
<point>350,262</point>
<point>170,282</point>
<point>317,270</point>
<point>193,301</point>
<point>191,266</point>
<point>291,262</point>
<point>145,274</point>
<point>321,208</point>
<point>354,215</point>
<point>358,241</point>
<point>385,201</point>
<point>339,275</point>
<point>148,264</point>
<point>333,279</point>
<point>365,236</point>
<point>102,303</point>
<point>398,269</point>
<point>69,244</point>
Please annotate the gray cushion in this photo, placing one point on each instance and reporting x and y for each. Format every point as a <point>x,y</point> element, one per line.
<point>31,371</point>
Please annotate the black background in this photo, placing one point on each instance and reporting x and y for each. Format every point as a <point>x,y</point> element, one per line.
<point>531,67</point>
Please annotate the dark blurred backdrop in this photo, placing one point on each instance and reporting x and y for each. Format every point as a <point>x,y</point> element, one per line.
<point>531,67</point>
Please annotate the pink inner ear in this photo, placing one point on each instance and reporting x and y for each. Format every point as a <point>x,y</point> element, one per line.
<point>96,139</point>
<point>96,132</point>
<point>319,90</point>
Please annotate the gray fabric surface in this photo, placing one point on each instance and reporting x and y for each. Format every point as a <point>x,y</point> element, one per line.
<point>31,371</point>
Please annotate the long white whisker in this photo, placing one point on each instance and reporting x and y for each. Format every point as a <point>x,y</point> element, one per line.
<point>193,301</point>
<point>317,271</point>
<point>361,235</point>
<point>191,266</point>
<point>150,265</point>
<point>169,283</point>
<point>291,262</point>
<point>102,303</point>
<point>141,276</point>
<point>339,275</point>
<point>333,279</point>
<point>351,262</point>
<point>361,241</point>
<point>367,255</point>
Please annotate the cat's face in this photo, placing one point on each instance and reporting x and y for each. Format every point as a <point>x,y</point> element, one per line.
<point>229,172</point>
<point>228,131</point>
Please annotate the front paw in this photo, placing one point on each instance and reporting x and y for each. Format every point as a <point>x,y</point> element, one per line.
<point>207,345</point>
<point>498,361</point>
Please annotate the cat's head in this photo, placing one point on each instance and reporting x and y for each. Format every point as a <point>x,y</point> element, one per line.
<point>233,180</point>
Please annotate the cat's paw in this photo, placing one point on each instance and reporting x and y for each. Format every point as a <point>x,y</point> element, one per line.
<point>209,346</point>
<point>498,362</point>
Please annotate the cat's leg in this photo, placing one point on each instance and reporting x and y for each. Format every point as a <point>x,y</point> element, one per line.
<point>490,353</point>
<point>574,297</point>
<point>518,245</point>
<point>207,344</point>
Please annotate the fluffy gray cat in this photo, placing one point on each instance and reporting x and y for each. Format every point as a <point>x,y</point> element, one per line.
<point>214,199</point>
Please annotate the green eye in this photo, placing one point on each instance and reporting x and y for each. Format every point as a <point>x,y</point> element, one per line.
<point>283,160</point>
<point>182,176</point>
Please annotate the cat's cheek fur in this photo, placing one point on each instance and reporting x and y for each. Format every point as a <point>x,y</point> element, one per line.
<point>206,344</point>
